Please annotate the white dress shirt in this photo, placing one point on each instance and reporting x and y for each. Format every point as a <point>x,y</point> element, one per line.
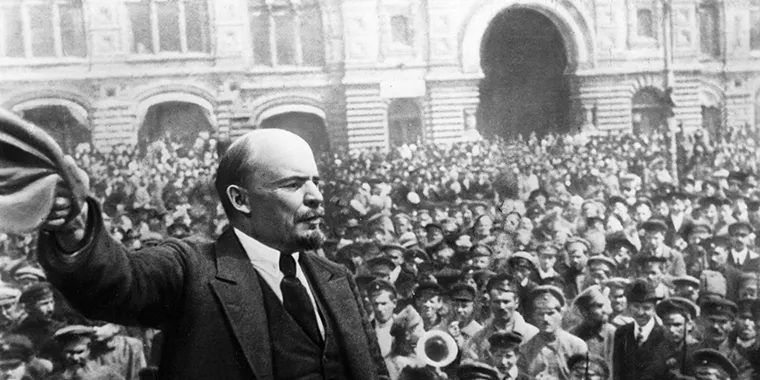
<point>740,256</point>
<point>266,261</point>
<point>643,330</point>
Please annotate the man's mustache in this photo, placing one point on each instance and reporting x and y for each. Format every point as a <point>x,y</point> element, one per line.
<point>317,213</point>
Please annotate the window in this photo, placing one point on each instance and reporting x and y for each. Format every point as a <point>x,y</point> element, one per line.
<point>400,31</point>
<point>754,33</point>
<point>287,33</point>
<point>42,29</point>
<point>645,23</point>
<point>647,113</point>
<point>709,37</point>
<point>169,26</point>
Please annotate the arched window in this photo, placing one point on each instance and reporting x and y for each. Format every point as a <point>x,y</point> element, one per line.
<point>160,26</point>
<point>709,30</point>
<point>648,114</point>
<point>287,33</point>
<point>42,28</point>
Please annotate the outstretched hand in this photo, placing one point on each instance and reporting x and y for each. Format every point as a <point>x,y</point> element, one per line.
<point>68,215</point>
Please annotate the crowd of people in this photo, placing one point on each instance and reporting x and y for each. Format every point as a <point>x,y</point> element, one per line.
<point>554,257</point>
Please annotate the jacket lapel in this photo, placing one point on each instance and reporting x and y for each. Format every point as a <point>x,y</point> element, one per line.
<point>237,286</point>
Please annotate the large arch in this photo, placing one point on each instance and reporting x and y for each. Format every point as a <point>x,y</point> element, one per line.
<point>65,120</point>
<point>302,114</point>
<point>571,20</point>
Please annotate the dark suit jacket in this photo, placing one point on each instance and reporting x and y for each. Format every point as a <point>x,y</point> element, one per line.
<point>631,362</point>
<point>751,262</point>
<point>207,299</point>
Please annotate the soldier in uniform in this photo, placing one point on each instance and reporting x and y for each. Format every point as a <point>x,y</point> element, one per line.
<point>545,355</point>
<point>39,325</point>
<point>504,354</point>
<point>16,353</point>
<point>713,365</point>
<point>718,321</point>
<point>75,344</point>
<point>463,307</point>
<point>677,315</point>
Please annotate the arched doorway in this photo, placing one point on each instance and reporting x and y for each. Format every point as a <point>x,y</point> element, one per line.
<point>61,124</point>
<point>647,112</point>
<point>525,90</point>
<point>404,122</point>
<point>178,122</point>
<point>309,126</point>
<point>712,121</point>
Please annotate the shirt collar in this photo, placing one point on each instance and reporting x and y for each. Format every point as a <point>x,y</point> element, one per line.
<point>260,253</point>
<point>740,256</point>
<point>646,329</point>
<point>512,372</point>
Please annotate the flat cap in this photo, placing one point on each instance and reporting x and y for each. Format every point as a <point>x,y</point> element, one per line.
<point>686,280</point>
<point>378,285</point>
<point>617,282</point>
<point>29,272</point>
<point>505,340</point>
<point>592,294</point>
<point>428,287</point>
<point>719,306</point>
<point>601,259</point>
<point>15,348</point>
<point>589,364</point>
<point>35,293</point>
<point>9,295</point>
<point>72,332</point>
<point>735,227</point>
<point>477,371</point>
<point>708,357</point>
<point>462,292</point>
<point>544,291</point>
<point>676,305</point>
<point>577,240</point>
<point>523,257</point>
<point>655,225</point>
<point>392,246</point>
<point>547,248</point>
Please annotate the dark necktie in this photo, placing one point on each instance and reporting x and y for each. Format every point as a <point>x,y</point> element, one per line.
<point>296,299</point>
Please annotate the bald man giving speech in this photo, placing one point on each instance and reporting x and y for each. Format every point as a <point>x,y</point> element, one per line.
<point>251,305</point>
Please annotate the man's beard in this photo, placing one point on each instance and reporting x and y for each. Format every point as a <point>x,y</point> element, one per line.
<point>311,241</point>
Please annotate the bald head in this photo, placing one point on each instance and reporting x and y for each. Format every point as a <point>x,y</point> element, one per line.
<point>269,186</point>
<point>261,148</point>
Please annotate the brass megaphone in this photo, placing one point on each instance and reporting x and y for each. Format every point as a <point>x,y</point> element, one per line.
<point>437,348</point>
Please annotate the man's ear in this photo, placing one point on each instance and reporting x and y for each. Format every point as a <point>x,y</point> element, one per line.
<point>239,199</point>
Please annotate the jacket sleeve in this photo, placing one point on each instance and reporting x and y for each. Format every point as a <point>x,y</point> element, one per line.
<point>618,354</point>
<point>106,281</point>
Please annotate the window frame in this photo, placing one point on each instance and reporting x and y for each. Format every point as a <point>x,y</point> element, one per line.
<point>296,8</point>
<point>26,32</point>
<point>717,46</point>
<point>155,30</point>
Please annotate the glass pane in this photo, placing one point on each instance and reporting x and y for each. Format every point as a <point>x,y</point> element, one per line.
<point>72,31</point>
<point>312,37</point>
<point>14,35</point>
<point>41,24</point>
<point>285,28</point>
<point>645,23</point>
<point>754,34</point>
<point>260,33</point>
<point>168,26</point>
<point>400,33</point>
<point>139,19</point>
<point>196,21</point>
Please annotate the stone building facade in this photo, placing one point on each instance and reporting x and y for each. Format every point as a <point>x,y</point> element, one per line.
<point>361,73</point>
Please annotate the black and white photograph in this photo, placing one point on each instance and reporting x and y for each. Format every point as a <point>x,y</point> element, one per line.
<point>380,189</point>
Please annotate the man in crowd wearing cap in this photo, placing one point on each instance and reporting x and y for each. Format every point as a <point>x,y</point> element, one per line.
<point>382,296</point>
<point>547,259</point>
<point>677,315</point>
<point>463,309</point>
<point>742,256</point>
<point>523,267</point>
<point>123,354</point>
<point>710,364</point>
<point>686,287</point>
<point>600,268</point>
<point>617,294</point>
<point>652,268</point>
<point>718,248</point>
<point>428,303</point>
<point>16,354</point>
<point>504,353</point>
<point>694,253</point>
<point>477,371</point>
<point>28,275</point>
<point>75,344</point>
<point>635,352</point>
<point>620,249</point>
<point>588,367</point>
<point>718,321</point>
<point>39,325</point>
<point>677,220</point>
<point>654,245</point>
<point>400,278</point>
<point>405,331</point>
<point>745,333</point>
<point>9,311</point>
<point>504,317</point>
<point>594,328</point>
<point>545,355</point>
